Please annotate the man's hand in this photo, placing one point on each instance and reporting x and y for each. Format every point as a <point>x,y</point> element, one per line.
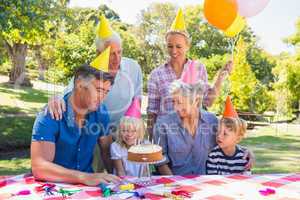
<point>97,178</point>
<point>56,107</point>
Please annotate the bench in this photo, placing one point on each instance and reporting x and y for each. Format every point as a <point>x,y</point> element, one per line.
<point>255,119</point>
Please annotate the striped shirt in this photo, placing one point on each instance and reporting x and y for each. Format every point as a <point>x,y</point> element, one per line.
<point>218,163</point>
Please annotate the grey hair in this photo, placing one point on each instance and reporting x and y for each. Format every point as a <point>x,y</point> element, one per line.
<point>187,90</point>
<point>100,43</point>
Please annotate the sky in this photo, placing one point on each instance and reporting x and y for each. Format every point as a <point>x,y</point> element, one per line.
<point>275,22</point>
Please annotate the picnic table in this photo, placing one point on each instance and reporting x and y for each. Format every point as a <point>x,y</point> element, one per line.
<point>256,119</point>
<point>213,187</point>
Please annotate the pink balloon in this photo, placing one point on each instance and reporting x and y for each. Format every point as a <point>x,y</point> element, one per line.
<point>250,8</point>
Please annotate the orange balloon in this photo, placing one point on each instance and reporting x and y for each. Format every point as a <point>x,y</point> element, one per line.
<point>220,13</point>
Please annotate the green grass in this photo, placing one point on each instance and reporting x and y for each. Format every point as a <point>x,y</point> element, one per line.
<point>15,132</point>
<point>25,100</point>
<point>276,149</point>
<point>14,166</point>
<point>17,114</point>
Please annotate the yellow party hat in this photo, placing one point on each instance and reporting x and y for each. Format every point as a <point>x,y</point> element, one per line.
<point>104,30</point>
<point>178,23</point>
<point>102,61</point>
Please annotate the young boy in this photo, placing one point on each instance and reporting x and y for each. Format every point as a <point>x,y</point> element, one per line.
<point>228,157</point>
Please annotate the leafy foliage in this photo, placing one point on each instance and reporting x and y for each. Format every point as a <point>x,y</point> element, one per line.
<point>249,94</point>
<point>64,38</point>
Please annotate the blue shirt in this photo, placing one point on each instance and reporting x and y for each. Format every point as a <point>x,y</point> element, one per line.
<point>74,146</point>
<point>127,85</point>
<point>186,155</point>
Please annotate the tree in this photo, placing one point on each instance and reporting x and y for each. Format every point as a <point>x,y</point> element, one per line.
<point>294,39</point>
<point>290,66</point>
<point>206,40</point>
<point>74,44</point>
<point>214,63</point>
<point>261,64</point>
<point>155,21</point>
<point>72,50</point>
<point>109,13</point>
<point>3,53</point>
<point>248,93</point>
<point>22,24</point>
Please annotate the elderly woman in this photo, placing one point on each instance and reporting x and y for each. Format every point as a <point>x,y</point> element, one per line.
<point>178,44</point>
<point>187,135</point>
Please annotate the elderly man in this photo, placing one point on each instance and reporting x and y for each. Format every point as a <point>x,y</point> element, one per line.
<point>62,151</point>
<point>127,85</point>
<point>127,73</point>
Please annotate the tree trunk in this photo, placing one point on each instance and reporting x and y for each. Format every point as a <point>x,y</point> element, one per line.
<point>18,52</point>
<point>41,61</point>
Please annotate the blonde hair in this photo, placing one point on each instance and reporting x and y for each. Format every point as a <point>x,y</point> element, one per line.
<point>131,122</point>
<point>185,34</point>
<point>237,125</point>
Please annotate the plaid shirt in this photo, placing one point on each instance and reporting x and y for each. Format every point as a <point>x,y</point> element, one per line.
<point>159,99</point>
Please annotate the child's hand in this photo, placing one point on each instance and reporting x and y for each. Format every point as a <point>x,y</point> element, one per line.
<point>249,155</point>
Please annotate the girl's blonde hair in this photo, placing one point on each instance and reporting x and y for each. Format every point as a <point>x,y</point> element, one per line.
<point>237,125</point>
<point>131,122</point>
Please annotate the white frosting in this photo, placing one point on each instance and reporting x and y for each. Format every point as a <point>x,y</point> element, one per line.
<point>145,148</point>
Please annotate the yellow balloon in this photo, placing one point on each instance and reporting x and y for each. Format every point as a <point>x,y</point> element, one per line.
<point>236,27</point>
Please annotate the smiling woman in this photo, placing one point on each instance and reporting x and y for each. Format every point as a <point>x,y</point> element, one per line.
<point>178,44</point>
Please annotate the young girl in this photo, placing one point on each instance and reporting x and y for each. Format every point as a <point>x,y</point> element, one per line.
<point>131,131</point>
<point>228,157</point>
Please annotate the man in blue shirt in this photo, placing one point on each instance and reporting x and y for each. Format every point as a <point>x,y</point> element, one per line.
<point>62,150</point>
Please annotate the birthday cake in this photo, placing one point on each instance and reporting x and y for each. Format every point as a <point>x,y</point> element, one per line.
<point>145,153</point>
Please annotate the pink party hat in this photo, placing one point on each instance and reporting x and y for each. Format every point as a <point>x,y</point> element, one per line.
<point>191,74</point>
<point>134,109</point>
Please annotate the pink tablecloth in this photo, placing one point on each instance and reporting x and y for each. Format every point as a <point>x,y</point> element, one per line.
<point>286,187</point>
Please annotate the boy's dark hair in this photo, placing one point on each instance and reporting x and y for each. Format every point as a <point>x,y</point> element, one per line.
<point>87,72</point>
